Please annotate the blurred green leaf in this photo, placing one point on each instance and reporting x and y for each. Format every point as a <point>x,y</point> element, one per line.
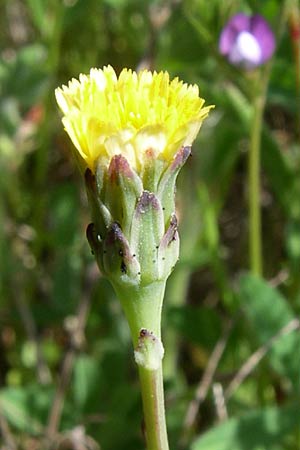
<point>26,407</point>
<point>217,164</point>
<point>293,242</point>
<point>282,177</point>
<point>123,418</point>
<point>268,312</point>
<point>52,352</point>
<point>64,207</point>
<point>86,376</point>
<point>29,353</point>
<point>264,429</point>
<point>199,325</point>
<point>38,9</point>
<point>25,75</point>
<point>116,3</point>
<point>209,226</point>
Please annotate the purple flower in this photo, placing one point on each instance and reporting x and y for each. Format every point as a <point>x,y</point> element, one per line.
<point>247,41</point>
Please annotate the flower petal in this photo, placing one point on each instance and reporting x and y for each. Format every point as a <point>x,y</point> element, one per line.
<point>239,22</point>
<point>107,115</point>
<point>264,35</point>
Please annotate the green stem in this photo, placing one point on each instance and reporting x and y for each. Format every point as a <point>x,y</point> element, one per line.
<point>254,188</point>
<point>260,88</point>
<point>154,409</point>
<point>293,17</point>
<point>142,306</point>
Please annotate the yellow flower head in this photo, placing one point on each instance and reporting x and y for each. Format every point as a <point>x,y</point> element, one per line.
<point>131,115</point>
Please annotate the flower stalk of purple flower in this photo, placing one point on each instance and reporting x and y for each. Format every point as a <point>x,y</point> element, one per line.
<point>247,41</point>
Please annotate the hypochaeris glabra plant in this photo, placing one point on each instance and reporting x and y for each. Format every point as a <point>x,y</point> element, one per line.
<point>132,135</point>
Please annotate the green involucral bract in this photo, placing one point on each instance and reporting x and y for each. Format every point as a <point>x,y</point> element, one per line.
<point>134,232</point>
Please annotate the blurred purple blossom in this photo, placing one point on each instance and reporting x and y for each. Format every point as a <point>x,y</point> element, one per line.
<point>247,41</point>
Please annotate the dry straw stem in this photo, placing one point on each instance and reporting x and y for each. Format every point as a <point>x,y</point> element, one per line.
<point>8,439</point>
<point>17,288</point>
<point>219,399</point>
<point>257,356</point>
<point>205,382</point>
<point>43,372</point>
<point>76,341</point>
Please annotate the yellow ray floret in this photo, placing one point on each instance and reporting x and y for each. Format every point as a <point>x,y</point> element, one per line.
<point>106,115</point>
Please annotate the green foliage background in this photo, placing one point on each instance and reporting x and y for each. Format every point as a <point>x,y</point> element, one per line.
<point>63,339</point>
